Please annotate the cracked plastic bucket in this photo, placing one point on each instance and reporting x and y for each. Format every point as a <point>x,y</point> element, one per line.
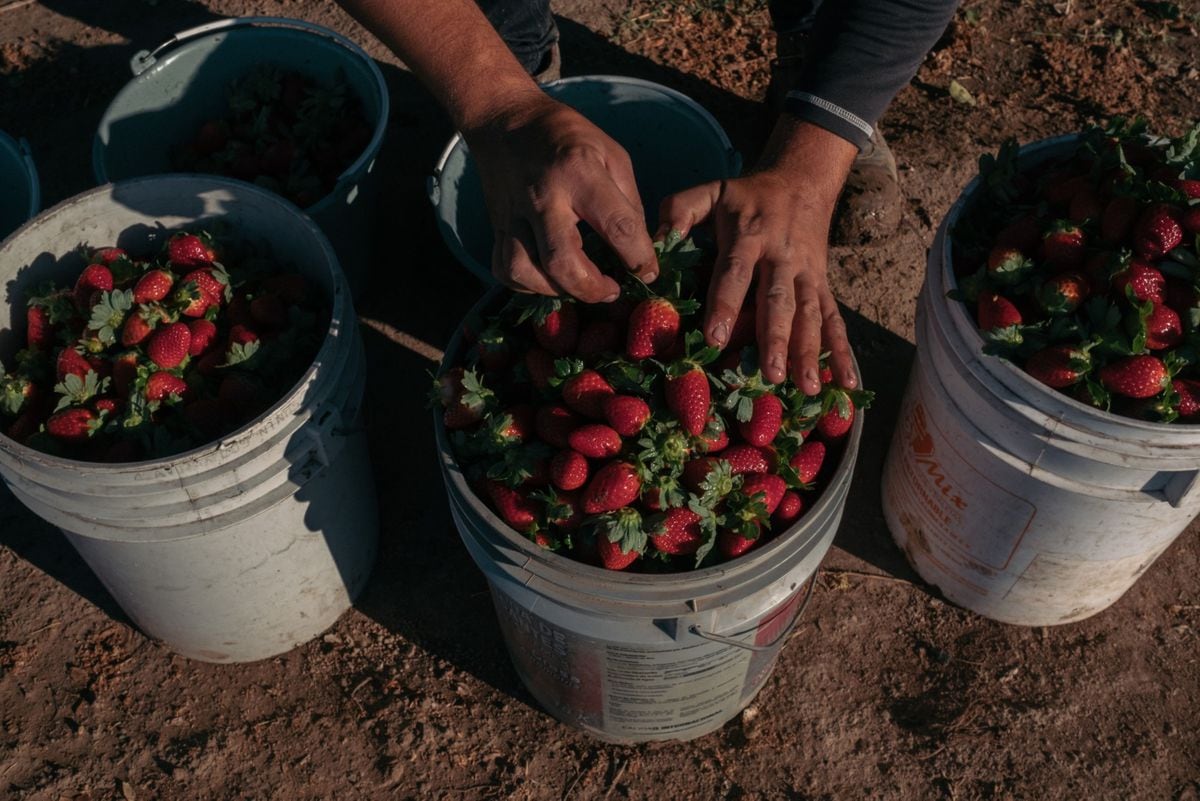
<point>249,546</point>
<point>634,658</point>
<point>673,142</point>
<point>22,196</point>
<point>183,82</point>
<point>1016,501</point>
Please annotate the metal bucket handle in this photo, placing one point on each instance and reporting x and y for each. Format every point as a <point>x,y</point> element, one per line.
<point>800,607</point>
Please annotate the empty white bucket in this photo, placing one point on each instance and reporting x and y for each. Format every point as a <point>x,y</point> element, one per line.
<point>1016,501</point>
<point>244,548</point>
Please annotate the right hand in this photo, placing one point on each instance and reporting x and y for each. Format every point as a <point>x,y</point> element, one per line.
<point>545,168</point>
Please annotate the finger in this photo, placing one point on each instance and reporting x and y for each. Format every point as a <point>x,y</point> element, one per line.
<point>777,309</point>
<point>562,260</point>
<point>684,210</point>
<point>513,266</point>
<point>622,225</point>
<point>805,346</point>
<point>732,273</point>
<point>621,170</point>
<point>833,334</point>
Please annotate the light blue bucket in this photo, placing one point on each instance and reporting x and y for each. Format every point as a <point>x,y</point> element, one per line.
<point>183,82</point>
<point>22,195</point>
<point>673,143</point>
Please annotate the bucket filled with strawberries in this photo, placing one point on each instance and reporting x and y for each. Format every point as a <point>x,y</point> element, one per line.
<point>612,436</point>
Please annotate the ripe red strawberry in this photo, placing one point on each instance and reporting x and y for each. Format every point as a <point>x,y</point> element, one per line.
<point>595,441</point>
<point>107,256</point>
<point>695,472</point>
<point>71,362</point>
<point>269,311</point>
<point>1147,281</point>
<point>189,250</point>
<point>512,427</point>
<point>1063,293</point>
<point>715,437</point>
<point>791,506</point>
<point>558,330</point>
<point>539,364</point>
<point>613,486</point>
<point>514,506</point>
<point>71,425</point>
<point>564,510</point>
<point>626,414</point>
<point>765,420</point>
<point>1188,186</point>
<point>1058,366</point>
<point>807,460</point>
<point>731,544</point>
<point>1085,205</point>
<point>153,286</point>
<point>653,328</point>
<point>836,423</point>
<point>462,396</point>
<point>1063,246</point>
<point>568,470</point>
<point>1190,219</point>
<point>242,335</point>
<point>1008,265</point>
<point>39,333</point>
<point>597,337</point>
<point>124,373</point>
<point>95,278</point>
<point>1157,231</point>
<point>168,345</point>
<point>1164,329</point>
<point>745,459</point>
<point>109,406</point>
<point>996,311</point>
<point>162,385</point>
<point>690,397</point>
<point>1134,376</point>
<point>200,290</point>
<point>620,538</point>
<point>136,330</point>
<point>204,334</point>
<point>771,486</point>
<point>586,393</point>
<point>554,423</point>
<point>677,532</point>
<point>1117,220</point>
<point>1188,390</point>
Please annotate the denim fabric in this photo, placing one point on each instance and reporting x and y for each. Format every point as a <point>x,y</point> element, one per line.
<point>526,26</point>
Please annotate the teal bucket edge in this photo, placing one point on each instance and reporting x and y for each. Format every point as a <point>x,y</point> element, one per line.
<point>16,156</point>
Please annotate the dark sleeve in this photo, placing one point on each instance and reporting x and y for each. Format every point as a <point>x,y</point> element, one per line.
<point>860,54</point>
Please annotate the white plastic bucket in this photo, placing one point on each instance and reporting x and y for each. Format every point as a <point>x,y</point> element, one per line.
<point>183,82</point>
<point>1016,501</point>
<point>244,548</point>
<point>636,657</point>
<point>22,195</point>
<point>673,142</point>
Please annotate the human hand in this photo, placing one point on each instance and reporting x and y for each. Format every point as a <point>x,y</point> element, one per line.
<point>545,168</point>
<point>774,224</point>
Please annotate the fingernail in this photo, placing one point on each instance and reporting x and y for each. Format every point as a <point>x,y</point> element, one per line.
<point>811,379</point>
<point>662,232</point>
<point>720,333</point>
<point>612,297</point>
<point>778,366</point>
<point>650,277</point>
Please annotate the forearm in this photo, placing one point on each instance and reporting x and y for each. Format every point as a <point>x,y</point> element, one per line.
<point>809,158</point>
<point>453,49</point>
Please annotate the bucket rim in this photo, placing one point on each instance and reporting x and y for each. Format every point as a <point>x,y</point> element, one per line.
<point>23,154</point>
<point>941,276</point>
<point>785,543</point>
<point>340,297</point>
<point>196,37</point>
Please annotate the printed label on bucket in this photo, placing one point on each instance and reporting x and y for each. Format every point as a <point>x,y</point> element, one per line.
<point>938,496</point>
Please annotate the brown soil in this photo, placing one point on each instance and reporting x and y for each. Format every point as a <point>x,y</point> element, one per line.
<point>884,692</point>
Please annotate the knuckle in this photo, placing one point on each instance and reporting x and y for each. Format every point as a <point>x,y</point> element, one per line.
<point>749,224</point>
<point>620,226</point>
<point>808,312</point>
<point>738,267</point>
<point>780,299</point>
<point>576,157</point>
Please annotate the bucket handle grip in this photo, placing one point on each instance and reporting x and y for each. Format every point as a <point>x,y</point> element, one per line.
<point>783,635</point>
<point>145,59</point>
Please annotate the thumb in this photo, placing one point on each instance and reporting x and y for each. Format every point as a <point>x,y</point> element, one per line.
<point>687,209</point>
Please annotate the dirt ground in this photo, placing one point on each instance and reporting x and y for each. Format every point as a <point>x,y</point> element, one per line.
<point>885,691</point>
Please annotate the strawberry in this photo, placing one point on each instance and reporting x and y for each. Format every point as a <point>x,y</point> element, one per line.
<point>71,362</point>
<point>747,459</point>
<point>162,385</point>
<point>513,506</point>
<point>554,423</point>
<point>493,350</point>
<point>807,461</point>
<point>791,506</point>
<point>1063,246</point>
<point>136,329</point>
<point>558,329</point>
<point>689,397</point>
<point>94,279</point>
<point>677,532</point>
<point>1188,390</point>
<point>562,508</point>
<point>568,470</point>
<point>198,291</point>
<point>597,337</point>
<point>1135,376</point>
<point>124,373</point>
<point>153,286</point>
<point>1164,329</point>
<point>1008,266</point>
<point>1181,295</point>
<point>1157,231</point>
<point>620,538</point>
<point>586,393</point>
<point>269,311</point>
<point>204,334</point>
<point>1063,293</point>
<point>169,345</point>
<point>107,256</point>
<point>1188,186</point>
<point>1117,220</point>
<point>836,422</point>
<point>715,438</point>
<point>771,486</point>
<point>109,406</point>
<point>463,397</point>
<point>595,441</point>
<point>1146,280</point>
<point>732,544</point>
<point>71,425</point>
<point>653,328</point>
<point>39,333</point>
<point>613,486</point>
<point>1190,219</point>
<point>539,364</point>
<point>1058,366</point>
<point>189,250</point>
<point>765,420</point>
<point>511,427</point>
<point>626,414</point>
<point>1085,205</point>
<point>242,335</point>
<point>995,311</point>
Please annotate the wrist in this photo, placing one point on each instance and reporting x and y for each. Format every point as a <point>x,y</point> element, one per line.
<point>808,156</point>
<point>485,106</point>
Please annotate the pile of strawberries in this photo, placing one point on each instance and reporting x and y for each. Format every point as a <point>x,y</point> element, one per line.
<point>611,434</point>
<point>149,357</point>
<point>1086,270</point>
<point>282,131</point>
